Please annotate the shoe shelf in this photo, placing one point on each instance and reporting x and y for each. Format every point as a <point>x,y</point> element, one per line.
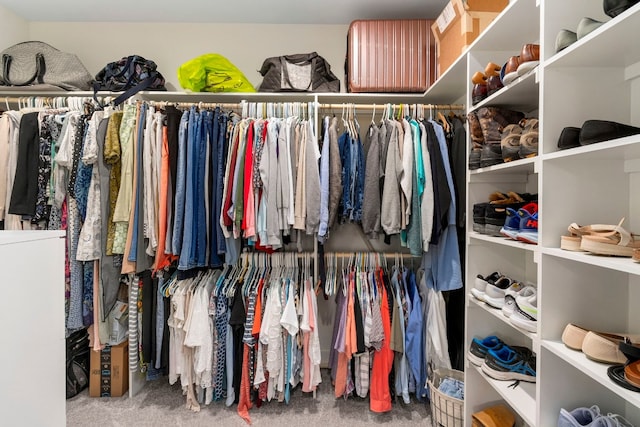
<point>521,399</point>
<point>614,44</point>
<point>596,371</point>
<point>523,166</point>
<point>627,148</point>
<point>625,265</point>
<point>502,241</point>
<point>497,313</point>
<point>516,25</point>
<point>519,95</point>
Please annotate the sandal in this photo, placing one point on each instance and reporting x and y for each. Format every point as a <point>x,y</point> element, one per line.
<point>576,232</point>
<point>636,255</point>
<point>632,373</point>
<point>615,241</point>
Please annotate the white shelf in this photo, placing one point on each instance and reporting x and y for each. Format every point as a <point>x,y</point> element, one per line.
<point>497,313</point>
<point>447,88</point>
<point>523,166</point>
<point>626,265</point>
<point>519,95</point>
<point>515,26</point>
<point>521,398</point>
<point>502,241</point>
<point>626,148</point>
<point>612,45</point>
<point>595,370</point>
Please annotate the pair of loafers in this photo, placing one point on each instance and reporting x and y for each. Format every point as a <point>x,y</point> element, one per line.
<point>565,37</point>
<point>517,66</point>
<point>593,131</point>
<point>486,84</point>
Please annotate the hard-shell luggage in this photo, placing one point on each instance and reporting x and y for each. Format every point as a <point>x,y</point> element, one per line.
<point>390,56</point>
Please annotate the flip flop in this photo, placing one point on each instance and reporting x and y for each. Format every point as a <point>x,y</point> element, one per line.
<point>632,373</point>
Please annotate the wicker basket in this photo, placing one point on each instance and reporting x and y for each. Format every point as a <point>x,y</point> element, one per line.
<point>446,411</point>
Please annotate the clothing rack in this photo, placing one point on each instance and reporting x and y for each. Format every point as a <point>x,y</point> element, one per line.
<point>380,106</point>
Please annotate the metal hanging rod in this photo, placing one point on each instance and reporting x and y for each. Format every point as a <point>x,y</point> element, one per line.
<point>385,254</point>
<point>382,106</point>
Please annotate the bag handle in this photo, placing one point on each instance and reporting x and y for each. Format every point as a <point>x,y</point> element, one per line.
<point>137,88</point>
<point>283,64</point>
<point>39,73</point>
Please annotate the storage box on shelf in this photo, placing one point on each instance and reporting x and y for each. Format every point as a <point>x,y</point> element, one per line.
<point>459,24</point>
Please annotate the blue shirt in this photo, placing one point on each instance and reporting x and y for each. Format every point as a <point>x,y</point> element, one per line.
<point>324,184</point>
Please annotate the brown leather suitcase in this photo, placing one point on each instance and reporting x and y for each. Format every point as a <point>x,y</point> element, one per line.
<point>390,56</point>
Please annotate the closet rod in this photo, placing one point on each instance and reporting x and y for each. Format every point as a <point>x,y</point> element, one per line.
<point>385,254</point>
<point>381,106</point>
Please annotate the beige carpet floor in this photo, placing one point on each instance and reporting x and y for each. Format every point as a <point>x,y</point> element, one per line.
<point>160,404</point>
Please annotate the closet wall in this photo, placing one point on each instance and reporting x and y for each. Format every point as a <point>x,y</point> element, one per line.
<point>13,29</point>
<point>171,44</point>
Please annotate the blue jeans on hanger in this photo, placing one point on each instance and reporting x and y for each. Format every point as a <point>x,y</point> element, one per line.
<point>344,144</point>
<point>210,130</point>
<point>190,190</point>
<point>179,198</point>
<point>220,129</point>
<point>199,246</point>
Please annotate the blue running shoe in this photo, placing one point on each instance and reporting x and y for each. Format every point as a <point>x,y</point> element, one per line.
<point>510,363</point>
<point>480,347</point>
<point>511,225</point>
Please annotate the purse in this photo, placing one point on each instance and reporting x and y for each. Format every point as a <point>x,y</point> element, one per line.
<point>37,63</point>
<point>306,72</point>
<point>130,75</point>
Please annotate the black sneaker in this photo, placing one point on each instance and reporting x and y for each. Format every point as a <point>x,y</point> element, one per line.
<point>491,154</point>
<point>510,363</point>
<point>480,347</point>
<point>479,212</point>
<point>495,216</point>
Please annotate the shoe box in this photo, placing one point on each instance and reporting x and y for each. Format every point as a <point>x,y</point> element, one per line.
<point>459,24</point>
<point>109,371</point>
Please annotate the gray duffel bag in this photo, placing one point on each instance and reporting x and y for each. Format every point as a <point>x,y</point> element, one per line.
<point>36,63</point>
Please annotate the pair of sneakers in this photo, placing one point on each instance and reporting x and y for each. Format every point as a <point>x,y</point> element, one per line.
<point>591,417</point>
<point>501,361</point>
<point>521,307</point>
<point>522,224</point>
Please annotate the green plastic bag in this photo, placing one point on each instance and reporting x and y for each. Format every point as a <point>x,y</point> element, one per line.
<point>212,73</point>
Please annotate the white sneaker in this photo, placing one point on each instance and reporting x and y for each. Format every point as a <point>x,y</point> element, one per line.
<point>525,315</point>
<point>481,283</point>
<point>510,298</point>
<point>494,294</point>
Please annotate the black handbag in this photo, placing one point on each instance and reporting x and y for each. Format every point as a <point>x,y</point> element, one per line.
<point>306,72</point>
<point>77,362</point>
<point>130,74</point>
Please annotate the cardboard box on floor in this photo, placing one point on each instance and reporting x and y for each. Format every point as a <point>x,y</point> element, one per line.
<point>109,371</point>
<point>459,24</point>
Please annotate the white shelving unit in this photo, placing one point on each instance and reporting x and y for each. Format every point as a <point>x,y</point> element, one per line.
<point>591,184</point>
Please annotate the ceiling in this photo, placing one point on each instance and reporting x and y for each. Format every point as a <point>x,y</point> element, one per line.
<point>223,11</point>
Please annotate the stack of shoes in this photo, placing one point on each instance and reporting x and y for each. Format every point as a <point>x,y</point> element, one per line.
<point>601,239</point>
<point>522,224</point>
<point>592,417</point>
<point>492,121</point>
<point>594,131</point>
